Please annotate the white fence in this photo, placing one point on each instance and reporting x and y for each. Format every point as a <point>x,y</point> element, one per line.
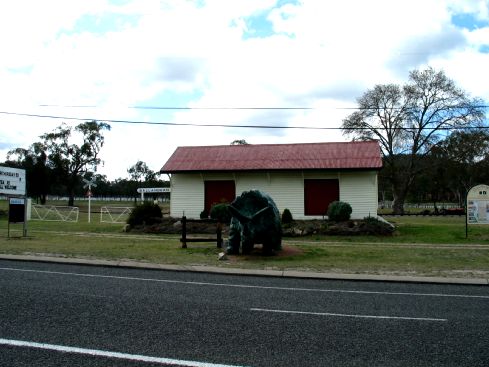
<point>114,214</point>
<point>388,205</point>
<point>55,213</point>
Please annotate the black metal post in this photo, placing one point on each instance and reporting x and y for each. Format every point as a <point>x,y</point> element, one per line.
<point>184,232</point>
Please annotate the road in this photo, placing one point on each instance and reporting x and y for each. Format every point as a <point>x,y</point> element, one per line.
<point>68,315</point>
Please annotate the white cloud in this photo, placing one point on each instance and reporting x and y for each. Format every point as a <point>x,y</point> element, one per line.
<point>201,54</point>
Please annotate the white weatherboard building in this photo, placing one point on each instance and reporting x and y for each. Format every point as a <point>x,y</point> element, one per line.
<point>304,178</point>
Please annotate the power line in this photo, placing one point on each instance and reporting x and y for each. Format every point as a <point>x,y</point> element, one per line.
<point>166,123</point>
<point>176,108</point>
<point>249,126</point>
<point>183,108</point>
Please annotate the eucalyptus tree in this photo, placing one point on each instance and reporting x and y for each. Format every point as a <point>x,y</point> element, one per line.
<point>409,120</point>
<point>70,157</point>
<point>467,161</point>
<point>34,161</point>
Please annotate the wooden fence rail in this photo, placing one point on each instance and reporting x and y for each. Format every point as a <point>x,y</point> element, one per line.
<point>185,239</point>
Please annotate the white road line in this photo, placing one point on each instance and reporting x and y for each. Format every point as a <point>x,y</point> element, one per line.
<point>410,294</point>
<point>107,354</point>
<point>346,315</point>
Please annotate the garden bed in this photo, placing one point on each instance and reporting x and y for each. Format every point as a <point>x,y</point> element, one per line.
<point>297,228</point>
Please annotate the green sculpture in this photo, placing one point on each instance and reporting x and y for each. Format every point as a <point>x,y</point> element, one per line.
<point>255,220</point>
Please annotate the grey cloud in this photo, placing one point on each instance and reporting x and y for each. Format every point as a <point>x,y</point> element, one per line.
<point>344,90</point>
<point>5,145</point>
<point>272,118</point>
<point>419,51</point>
<point>347,90</point>
<point>179,69</point>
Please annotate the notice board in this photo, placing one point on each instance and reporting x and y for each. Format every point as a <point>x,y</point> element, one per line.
<point>478,205</point>
<point>16,210</point>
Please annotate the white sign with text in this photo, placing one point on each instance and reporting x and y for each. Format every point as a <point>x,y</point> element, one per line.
<point>12,181</point>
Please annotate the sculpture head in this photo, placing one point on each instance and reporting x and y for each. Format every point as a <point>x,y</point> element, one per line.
<point>251,224</point>
<point>255,220</point>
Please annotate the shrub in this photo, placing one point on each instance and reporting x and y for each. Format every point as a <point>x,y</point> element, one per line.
<point>287,216</point>
<point>375,226</point>
<point>204,214</point>
<point>220,212</point>
<point>146,213</point>
<point>339,211</point>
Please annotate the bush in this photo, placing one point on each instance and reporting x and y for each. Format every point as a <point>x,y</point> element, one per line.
<point>372,225</point>
<point>220,212</point>
<point>204,214</point>
<point>453,211</point>
<point>146,213</point>
<point>339,211</point>
<point>287,216</point>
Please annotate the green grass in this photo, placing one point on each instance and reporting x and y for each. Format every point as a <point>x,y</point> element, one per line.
<point>434,246</point>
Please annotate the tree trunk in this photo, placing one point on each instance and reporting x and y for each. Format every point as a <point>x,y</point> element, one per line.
<point>398,205</point>
<point>399,193</point>
<point>71,198</point>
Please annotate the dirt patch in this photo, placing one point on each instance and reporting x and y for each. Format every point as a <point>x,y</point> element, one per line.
<point>257,253</point>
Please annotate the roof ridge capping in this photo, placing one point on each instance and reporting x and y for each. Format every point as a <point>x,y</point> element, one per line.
<point>354,142</point>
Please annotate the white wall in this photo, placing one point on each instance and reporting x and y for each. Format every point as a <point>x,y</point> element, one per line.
<point>361,192</point>
<point>187,195</point>
<point>359,189</point>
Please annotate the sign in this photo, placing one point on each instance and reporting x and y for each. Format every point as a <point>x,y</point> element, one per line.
<point>146,190</point>
<point>89,184</point>
<point>12,181</point>
<point>478,205</point>
<point>16,210</point>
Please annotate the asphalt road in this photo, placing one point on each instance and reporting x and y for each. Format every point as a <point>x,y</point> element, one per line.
<point>67,315</point>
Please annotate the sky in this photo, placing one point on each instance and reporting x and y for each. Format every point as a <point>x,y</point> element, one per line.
<point>179,64</point>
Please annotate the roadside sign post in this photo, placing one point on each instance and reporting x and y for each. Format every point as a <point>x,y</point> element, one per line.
<point>89,184</point>
<point>12,184</point>
<point>152,190</point>
<point>477,207</point>
<point>17,213</point>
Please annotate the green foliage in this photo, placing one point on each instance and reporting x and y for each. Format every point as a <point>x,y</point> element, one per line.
<point>204,214</point>
<point>287,216</point>
<point>339,211</point>
<point>372,225</point>
<point>146,213</point>
<point>220,212</point>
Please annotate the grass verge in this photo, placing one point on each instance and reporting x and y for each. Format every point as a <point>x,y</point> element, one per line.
<point>425,246</point>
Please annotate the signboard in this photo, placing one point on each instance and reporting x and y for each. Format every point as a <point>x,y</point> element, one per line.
<point>12,181</point>
<point>478,205</point>
<point>147,190</point>
<point>16,210</point>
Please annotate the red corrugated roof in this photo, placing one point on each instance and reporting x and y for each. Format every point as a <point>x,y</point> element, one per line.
<point>309,156</point>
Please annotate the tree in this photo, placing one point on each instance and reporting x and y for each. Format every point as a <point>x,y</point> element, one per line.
<point>467,161</point>
<point>69,160</point>
<point>239,142</point>
<point>409,121</point>
<point>34,161</point>
<point>141,170</point>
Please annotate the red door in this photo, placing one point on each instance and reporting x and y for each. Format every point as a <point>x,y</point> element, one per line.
<point>217,192</point>
<point>318,194</point>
